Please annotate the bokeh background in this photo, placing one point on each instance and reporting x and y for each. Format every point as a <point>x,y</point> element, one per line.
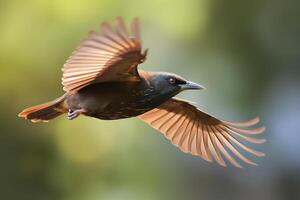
<point>247,54</point>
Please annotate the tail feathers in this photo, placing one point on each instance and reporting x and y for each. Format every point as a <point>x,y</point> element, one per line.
<point>45,112</point>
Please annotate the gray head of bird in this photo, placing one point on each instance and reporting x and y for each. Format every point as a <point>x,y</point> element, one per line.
<point>171,84</point>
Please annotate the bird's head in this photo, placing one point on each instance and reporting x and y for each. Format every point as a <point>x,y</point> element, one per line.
<point>171,84</point>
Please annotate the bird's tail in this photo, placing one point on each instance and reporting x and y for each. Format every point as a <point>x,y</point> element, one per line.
<point>45,112</point>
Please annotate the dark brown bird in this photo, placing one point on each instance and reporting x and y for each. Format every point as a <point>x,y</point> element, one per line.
<point>101,80</point>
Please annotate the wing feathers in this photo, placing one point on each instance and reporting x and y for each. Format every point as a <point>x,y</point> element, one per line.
<point>176,137</point>
<point>247,138</point>
<point>192,138</point>
<point>108,55</point>
<point>174,120</point>
<point>199,141</point>
<point>122,32</point>
<point>215,149</point>
<point>184,135</point>
<point>135,28</point>
<point>227,140</point>
<point>247,131</point>
<point>110,34</point>
<point>220,142</point>
<point>248,123</point>
<point>200,134</point>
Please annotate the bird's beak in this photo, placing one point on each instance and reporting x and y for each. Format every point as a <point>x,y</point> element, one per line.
<point>191,86</point>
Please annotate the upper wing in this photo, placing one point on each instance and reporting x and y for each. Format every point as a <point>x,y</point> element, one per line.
<point>200,134</point>
<point>109,55</point>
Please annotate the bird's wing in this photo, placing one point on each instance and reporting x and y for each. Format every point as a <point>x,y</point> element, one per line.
<point>108,55</point>
<point>200,134</point>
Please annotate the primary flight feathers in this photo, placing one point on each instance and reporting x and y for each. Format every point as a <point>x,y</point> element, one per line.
<point>200,134</point>
<point>111,54</point>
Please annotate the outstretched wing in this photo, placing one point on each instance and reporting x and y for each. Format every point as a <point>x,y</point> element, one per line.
<point>109,55</point>
<point>200,134</point>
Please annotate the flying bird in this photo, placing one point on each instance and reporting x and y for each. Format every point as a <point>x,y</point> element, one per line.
<point>101,79</point>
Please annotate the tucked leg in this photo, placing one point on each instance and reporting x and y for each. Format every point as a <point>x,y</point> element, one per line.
<point>72,114</point>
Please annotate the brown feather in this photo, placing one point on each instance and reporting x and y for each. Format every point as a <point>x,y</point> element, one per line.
<point>196,132</point>
<point>108,55</point>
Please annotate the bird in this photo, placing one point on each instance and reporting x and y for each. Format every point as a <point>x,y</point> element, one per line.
<point>101,79</point>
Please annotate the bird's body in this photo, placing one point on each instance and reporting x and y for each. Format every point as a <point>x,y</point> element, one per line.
<point>116,100</point>
<point>101,80</point>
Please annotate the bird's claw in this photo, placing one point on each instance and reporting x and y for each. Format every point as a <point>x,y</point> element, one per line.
<point>72,114</point>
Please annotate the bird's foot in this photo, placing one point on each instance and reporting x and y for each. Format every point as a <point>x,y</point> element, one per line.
<point>72,114</point>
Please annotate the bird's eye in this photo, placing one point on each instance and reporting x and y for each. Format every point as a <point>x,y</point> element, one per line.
<point>172,81</point>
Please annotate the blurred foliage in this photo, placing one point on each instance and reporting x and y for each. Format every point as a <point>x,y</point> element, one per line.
<point>245,52</point>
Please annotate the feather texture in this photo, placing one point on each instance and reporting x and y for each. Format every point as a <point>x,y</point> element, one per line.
<point>108,55</point>
<point>200,134</point>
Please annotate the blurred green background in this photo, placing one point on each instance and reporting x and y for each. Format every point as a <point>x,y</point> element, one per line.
<point>246,53</point>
